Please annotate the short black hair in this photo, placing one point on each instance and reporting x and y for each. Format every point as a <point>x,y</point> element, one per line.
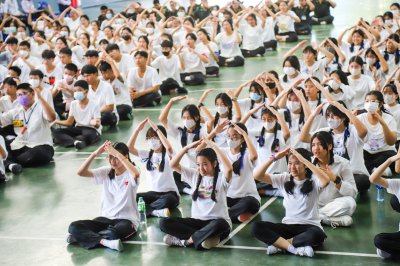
<point>103,8</point>
<point>89,69</point>
<point>25,43</point>
<point>112,47</point>
<point>71,67</point>
<point>25,86</point>
<point>66,51</point>
<point>36,72</point>
<point>104,66</point>
<point>142,53</point>
<point>16,69</point>
<point>166,44</point>
<point>41,33</point>
<point>10,81</point>
<point>91,53</point>
<point>12,40</point>
<point>48,54</point>
<point>82,83</point>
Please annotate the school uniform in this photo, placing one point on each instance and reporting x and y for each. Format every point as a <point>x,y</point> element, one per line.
<point>230,53</point>
<point>194,72</point>
<point>122,99</point>
<point>212,67</point>
<point>252,44</point>
<point>286,26</point>
<point>361,87</point>
<point>169,72</point>
<point>268,35</point>
<point>104,95</point>
<point>119,213</point>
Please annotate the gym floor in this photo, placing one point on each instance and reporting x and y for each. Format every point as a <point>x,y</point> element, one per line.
<point>37,206</point>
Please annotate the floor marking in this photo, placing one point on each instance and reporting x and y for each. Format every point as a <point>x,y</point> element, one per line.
<point>145,243</point>
<point>71,152</point>
<point>240,227</point>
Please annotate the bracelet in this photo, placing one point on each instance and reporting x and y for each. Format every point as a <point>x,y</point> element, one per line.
<point>273,158</point>
<point>200,105</point>
<point>156,129</point>
<point>234,99</point>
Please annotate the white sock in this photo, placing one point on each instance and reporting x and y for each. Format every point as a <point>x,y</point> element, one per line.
<point>291,249</point>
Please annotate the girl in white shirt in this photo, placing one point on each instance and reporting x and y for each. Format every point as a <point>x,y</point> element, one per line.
<point>338,87</point>
<point>285,20</point>
<point>211,50</point>
<point>209,222</point>
<point>228,41</point>
<point>291,71</point>
<point>392,53</point>
<point>119,218</point>
<point>391,98</point>
<point>163,194</point>
<point>300,187</point>
<point>251,31</point>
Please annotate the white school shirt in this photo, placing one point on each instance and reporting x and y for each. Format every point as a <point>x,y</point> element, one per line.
<point>46,94</point>
<point>204,50</point>
<point>320,119</point>
<point>290,81</point>
<point>394,187</point>
<point>345,47</point>
<point>204,208</point>
<point>67,97</point>
<point>126,48</point>
<point>37,49</point>
<point>251,36</point>
<point>37,126</point>
<point>168,67</point>
<point>345,93</point>
<point>220,138</point>
<point>25,69</point>
<point>121,93</point>
<point>3,73</point>
<point>295,128</point>
<point>299,208</point>
<point>242,185</point>
<point>391,62</point>
<point>268,33</point>
<point>316,70</point>
<point>159,181</point>
<point>125,64</point>
<point>6,104</point>
<point>192,62</point>
<point>72,24</point>
<point>253,123</point>
<point>341,168</point>
<point>57,74</point>
<point>104,95</point>
<point>228,45</point>
<point>119,195</point>
<point>83,116</point>
<point>376,142</point>
<point>285,23</point>
<point>361,87</point>
<point>149,80</point>
<point>395,111</point>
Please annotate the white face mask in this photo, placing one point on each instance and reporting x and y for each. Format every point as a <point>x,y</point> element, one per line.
<point>389,98</point>
<point>34,82</point>
<point>149,30</point>
<point>334,123</point>
<point>289,71</point>
<point>333,84</point>
<point>233,143</point>
<point>23,53</point>
<point>21,35</point>
<point>269,125</point>
<point>293,106</point>
<point>370,61</point>
<point>214,12</point>
<point>389,22</point>
<point>189,123</point>
<point>222,110</point>
<point>181,14</point>
<point>154,143</point>
<point>355,71</point>
<point>371,107</point>
<point>395,12</point>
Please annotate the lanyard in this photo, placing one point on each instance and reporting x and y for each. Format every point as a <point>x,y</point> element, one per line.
<point>26,121</point>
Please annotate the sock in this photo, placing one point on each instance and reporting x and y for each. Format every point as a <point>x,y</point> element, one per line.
<point>291,249</point>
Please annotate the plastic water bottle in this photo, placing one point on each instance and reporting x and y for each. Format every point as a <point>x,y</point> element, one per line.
<point>142,211</point>
<point>380,196</point>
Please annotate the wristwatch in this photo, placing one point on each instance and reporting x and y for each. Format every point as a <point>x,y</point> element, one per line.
<point>338,180</point>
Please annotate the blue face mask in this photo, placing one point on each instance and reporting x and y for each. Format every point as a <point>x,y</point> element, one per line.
<point>78,95</point>
<point>109,16</point>
<point>255,96</point>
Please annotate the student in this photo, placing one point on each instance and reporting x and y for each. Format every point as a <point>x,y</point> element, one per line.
<point>291,71</point>
<point>9,100</point>
<point>36,80</point>
<point>102,94</point>
<point>209,222</point>
<point>301,186</point>
<point>391,54</point>
<point>119,218</point>
<point>83,123</point>
<point>33,145</point>
<point>3,156</point>
<point>122,61</point>
<point>377,66</point>
<point>322,12</point>
<point>163,195</point>
<point>356,44</point>
<point>268,35</point>
<point>51,73</point>
<point>25,61</point>
<point>62,92</point>
<point>169,71</point>
<point>210,48</point>
<point>251,30</point>
<point>143,82</point>
<point>337,85</point>
<point>387,243</point>
<point>303,10</point>
<point>391,98</point>
<point>228,41</point>
<point>285,20</point>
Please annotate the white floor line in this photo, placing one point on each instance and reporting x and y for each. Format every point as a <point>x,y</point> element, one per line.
<point>240,227</point>
<point>71,152</point>
<point>145,243</point>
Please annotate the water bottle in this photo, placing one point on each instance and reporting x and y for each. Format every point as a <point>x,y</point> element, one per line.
<point>142,211</point>
<point>380,196</point>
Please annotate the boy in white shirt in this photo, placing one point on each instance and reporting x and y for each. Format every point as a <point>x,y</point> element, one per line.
<point>24,60</point>
<point>63,93</point>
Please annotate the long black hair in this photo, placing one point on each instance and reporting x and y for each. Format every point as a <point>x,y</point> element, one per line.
<point>124,150</point>
<point>395,38</point>
<point>361,33</point>
<point>227,102</point>
<point>294,62</point>
<point>379,97</point>
<point>259,89</point>
<point>238,164</point>
<point>261,138</point>
<point>307,186</point>
<point>212,157</point>
<point>149,134</point>
<point>326,139</point>
<point>194,113</point>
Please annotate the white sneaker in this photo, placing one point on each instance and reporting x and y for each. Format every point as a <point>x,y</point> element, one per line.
<point>271,250</point>
<point>305,251</point>
<point>211,242</point>
<point>113,244</point>
<point>344,220</point>
<point>172,241</point>
<point>187,190</point>
<point>382,254</point>
<point>231,59</point>
<point>323,22</point>
<point>187,78</point>
<point>161,213</point>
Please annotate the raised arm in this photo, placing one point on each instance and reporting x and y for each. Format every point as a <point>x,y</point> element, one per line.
<point>305,135</point>
<point>132,140</point>
<point>175,162</point>
<point>164,140</point>
<point>130,167</point>
<point>376,176</point>
<point>261,175</point>
<point>301,44</point>
<point>250,146</point>
<point>163,118</point>
<point>84,168</point>
<point>226,163</point>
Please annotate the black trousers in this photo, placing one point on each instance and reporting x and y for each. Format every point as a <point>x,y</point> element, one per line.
<point>237,61</point>
<point>124,111</point>
<point>303,28</point>
<point>148,100</point>
<point>159,200</point>
<point>394,202</point>
<point>362,182</point>
<point>169,85</point>
<point>271,44</point>
<point>252,53</point>
<point>291,36</point>
<point>7,131</point>
<point>375,160</point>
<point>199,230</point>
<point>194,78</point>
<point>87,233</point>
<point>302,234</point>
<point>212,70</point>
<point>109,119</point>
<point>238,206</point>
<point>327,19</point>
<point>67,136</point>
<point>30,157</point>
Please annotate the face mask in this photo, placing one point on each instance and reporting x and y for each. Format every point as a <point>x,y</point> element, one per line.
<point>109,16</point>
<point>24,100</point>
<point>389,98</point>
<point>68,78</point>
<point>34,82</point>
<point>181,14</point>
<point>293,106</point>
<point>154,143</point>
<point>149,30</point>
<point>165,53</point>
<point>388,22</point>
<point>355,71</point>
<point>333,84</point>
<point>370,61</point>
<point>269,125</point>
<point>189,123</point>
<point>233,143</point>
<point>64,33</point>
<point>23,53</point>
<point>371,106</point>
<point>119,21</point>
<point>214,13</point>
<point>334,123</point>
<point>289,71</point>
<point>222,109</point>
<point>79,95</point>
<point>395,12</point>
<point>271,85</point>
<point>21,35</point>
<point>255,96</point>
<point>126,37</point>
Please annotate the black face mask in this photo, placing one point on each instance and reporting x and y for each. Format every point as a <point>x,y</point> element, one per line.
<point>126,37</point>
<point>271,85</point>
<point>165,53</point>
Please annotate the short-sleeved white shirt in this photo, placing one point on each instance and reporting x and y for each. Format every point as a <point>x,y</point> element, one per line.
<point>83,116</point>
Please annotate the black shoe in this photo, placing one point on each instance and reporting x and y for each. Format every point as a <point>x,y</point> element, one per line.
<point>182,90</point>
<point>79,144</point>
<point>15,168</point>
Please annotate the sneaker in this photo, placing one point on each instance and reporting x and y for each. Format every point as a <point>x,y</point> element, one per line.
<point>161,213</point>
<point>70,239</point>
<point>187,190</point>
<point>172,241</point>
<point>188,78</point>
<point>79,144</point>
<point>314,18</point>
<point>306,251</point>
<point>211,242</point>
<point>323,22</point>
<point>271,250</point>
<point>382,254</point>
<point>113,244</point>
<point>344,220</point>
<point>244,217</point>
<point>15,168</point>
<point>109,234</point>
<point>231,59</point>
